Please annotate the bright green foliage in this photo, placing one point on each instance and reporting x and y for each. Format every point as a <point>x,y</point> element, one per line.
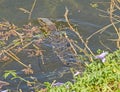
<point>14,75</point>
<point>98,77</point>
<point>94,5</point>
<point>10,72</point>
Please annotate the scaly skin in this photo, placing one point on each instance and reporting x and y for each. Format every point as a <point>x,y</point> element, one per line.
<point>60,42</point>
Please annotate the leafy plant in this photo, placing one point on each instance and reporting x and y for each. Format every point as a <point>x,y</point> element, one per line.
<point>10,72</point>
<point>98,77</point>
<point>15,76</point>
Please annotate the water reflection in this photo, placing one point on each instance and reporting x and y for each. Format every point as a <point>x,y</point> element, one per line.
<point>49,8</point>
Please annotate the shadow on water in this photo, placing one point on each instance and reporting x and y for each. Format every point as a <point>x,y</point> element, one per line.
<point>81,14</point>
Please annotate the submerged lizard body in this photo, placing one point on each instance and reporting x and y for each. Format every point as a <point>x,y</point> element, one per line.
<point>60,42</point>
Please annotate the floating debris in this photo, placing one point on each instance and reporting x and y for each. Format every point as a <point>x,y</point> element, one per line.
<point>3,83</point>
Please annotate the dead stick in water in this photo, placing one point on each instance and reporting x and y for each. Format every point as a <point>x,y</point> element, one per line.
<point>13,56</point>
<point>77,33</point>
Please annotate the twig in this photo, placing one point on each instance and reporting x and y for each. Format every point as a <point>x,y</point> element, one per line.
<point>100,31</point>
<point>13,56</point>
<point>26,45</point>
<point>77,33</point>
<point>104,45</point>
<point>33,6</point>
<point>20,36</point>
<point>112,6</point>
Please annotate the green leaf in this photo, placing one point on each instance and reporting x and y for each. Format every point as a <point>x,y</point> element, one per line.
<point>9,72</point>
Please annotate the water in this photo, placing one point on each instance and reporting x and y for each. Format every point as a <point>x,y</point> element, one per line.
<point>85,17</point>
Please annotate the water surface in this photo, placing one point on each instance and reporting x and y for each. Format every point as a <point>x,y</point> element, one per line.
<point>81,14</point>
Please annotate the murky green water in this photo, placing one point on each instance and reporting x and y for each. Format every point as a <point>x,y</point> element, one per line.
<point>81,13</point>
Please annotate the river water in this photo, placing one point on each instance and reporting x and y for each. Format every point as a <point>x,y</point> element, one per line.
<point>87,19</point>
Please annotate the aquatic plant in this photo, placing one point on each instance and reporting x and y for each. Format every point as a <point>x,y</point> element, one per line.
<point>12,75</point>
<point>15,40</point>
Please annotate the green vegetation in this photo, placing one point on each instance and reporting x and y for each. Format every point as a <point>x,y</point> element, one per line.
<point>98,77</point>
<point>14,75</point>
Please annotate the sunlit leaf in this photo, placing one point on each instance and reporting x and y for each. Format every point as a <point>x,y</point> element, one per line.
<point>94,5</point>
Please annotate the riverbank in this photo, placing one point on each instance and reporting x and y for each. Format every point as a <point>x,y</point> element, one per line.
<point>98,77</point>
